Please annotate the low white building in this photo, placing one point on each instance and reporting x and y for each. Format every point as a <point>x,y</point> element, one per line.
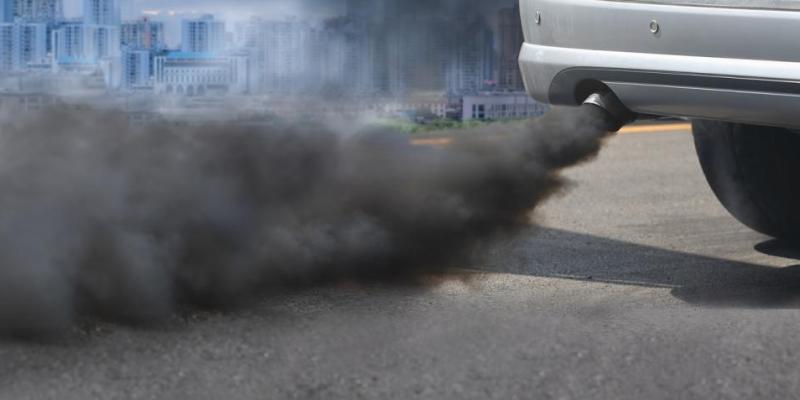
<point>436,106</point>
<point>199,74</point>
<point>494,106</point>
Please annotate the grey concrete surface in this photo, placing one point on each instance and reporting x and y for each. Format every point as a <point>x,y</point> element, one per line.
<point>638,285</point>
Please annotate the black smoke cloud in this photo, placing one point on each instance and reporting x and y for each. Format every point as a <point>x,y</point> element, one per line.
<point>101,219</point>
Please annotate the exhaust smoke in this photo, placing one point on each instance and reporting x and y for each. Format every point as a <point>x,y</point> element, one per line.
<point>101,219</point>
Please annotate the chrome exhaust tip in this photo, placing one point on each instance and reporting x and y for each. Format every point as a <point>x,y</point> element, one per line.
<point>617,114</point>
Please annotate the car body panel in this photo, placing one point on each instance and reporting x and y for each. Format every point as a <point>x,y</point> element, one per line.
<point>705,62</point>
<point>751,4</point>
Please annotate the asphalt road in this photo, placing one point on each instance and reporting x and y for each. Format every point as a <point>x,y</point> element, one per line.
<point>638,285</point>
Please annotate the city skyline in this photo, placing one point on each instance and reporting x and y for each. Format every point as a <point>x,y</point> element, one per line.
<point>434,54</point>
<point>172,12</point>
<point>230,8</point>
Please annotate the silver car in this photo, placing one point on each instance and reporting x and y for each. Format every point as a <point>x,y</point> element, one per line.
<point>733,66</point>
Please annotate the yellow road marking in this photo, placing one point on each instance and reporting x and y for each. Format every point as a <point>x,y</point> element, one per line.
<point>432,142</point>
<point>653,128</point>
<point>650,128</point>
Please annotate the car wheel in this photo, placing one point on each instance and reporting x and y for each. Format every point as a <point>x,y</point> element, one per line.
<point>755,173</point>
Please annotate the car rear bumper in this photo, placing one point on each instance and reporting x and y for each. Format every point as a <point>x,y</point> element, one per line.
<point>704,62</point>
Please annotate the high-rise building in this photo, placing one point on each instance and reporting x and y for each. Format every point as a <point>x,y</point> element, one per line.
<point>68,43</point>
<point>203,35</point>
<point>510,39</point>
<point>281,52</point>
<point>7,10</point>
<point>38,10</point>
<point>77,43</point>
<point>471,60</point>
<point>141,41</point>
<point>143,34</point>
<point>136,69</point>
<point>345,55</point>
<point>93,43</point>
<point>101,12</point>
<point>417,51</point>
<point>22,45</point>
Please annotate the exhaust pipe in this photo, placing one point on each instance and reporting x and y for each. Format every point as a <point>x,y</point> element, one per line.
<point>616,115</point>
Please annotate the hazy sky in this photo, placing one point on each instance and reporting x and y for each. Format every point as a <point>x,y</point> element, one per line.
<point>230,9</point>
<point>172,11</point>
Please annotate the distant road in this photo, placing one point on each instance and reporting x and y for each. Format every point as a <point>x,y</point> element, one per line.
<point>638,285</point>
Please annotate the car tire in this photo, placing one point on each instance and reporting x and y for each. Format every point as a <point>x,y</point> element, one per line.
<point>754,172</point>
